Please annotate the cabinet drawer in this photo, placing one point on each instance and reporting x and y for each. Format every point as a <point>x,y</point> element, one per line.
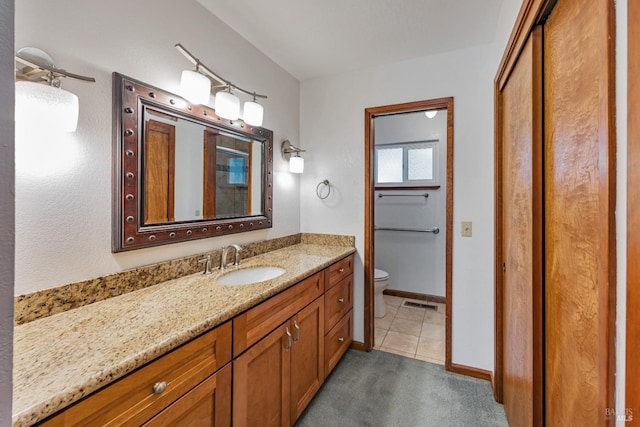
<point>131,400</point>
<point>337,341</point>
<point>337,301</point>
<point>254,324</point>
<point>208,404</point>
<point>339,271</point>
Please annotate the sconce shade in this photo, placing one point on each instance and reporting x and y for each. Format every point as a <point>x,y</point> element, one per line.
<point>227,105</point>
<point>46,105</point>
<point>195,87</point>
<point>296,164</point>
<point>431,113</point>
<point>253,113</point>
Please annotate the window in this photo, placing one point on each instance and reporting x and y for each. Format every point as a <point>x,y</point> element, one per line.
<point>406,164</point>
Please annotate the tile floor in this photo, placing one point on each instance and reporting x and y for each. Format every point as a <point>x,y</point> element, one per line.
<point>418,333</point>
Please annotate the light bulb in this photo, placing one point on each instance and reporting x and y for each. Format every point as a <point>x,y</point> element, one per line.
<point>195,87</point>
<point>44,105</point>
<point>227,105</point>
<point>253,113</point>
<point>296,164</point>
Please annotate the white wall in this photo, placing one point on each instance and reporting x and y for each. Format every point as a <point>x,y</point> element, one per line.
<point>416,262</point>
<point>621,208</point>
<point>7,67</point>
<point>332,131</point>
<point>63,208</point>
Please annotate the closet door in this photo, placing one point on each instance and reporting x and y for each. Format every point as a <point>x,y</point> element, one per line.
<point>521,124</point>
<point>579,212</point>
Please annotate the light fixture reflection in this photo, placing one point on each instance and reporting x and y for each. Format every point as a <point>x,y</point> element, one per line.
<point>431,113</point>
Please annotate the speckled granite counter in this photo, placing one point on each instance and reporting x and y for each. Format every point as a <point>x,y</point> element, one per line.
<point>64,357</point>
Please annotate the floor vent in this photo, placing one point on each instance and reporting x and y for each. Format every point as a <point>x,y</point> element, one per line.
<point>413,304</point>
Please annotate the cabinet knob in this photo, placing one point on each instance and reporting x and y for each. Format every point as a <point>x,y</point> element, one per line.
<point>340,339</point>
<point>340,300</point>
<point>341,270</point>
<point>160,387</point>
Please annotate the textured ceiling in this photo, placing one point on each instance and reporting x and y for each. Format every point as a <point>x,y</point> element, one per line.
<point>311,38</point>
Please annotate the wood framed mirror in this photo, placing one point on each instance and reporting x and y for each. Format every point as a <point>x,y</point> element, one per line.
<point>183,173</point>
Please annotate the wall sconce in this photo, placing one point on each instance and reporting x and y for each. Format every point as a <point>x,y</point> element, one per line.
<point>226,104</point>
<point>38,92</point>
<point>296,163</point>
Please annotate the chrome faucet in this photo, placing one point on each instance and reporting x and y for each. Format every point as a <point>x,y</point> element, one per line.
<point>207,261</point>
<point>225,252</point>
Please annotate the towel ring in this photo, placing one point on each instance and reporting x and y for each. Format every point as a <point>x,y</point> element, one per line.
<point>318,189</point>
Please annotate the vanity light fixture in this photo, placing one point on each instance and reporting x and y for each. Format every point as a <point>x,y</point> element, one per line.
<point>431,113</point>
<point>38,93</point>
<point>194,86</point>
<point>226,104</point>
<point>253,112</point>
<point>296,163</point>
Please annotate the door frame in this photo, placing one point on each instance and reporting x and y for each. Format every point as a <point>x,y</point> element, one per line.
<point>369,115</point>
<point>632,370</point>
<point>530,14</point>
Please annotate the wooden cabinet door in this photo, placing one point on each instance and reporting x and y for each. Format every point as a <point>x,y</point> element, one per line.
<point>261,387</point>
<point>521,127</point>
<point>307,356</point>
<point>208,404</point>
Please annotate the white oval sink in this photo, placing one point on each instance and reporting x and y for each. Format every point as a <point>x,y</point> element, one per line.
<point>247,276</point>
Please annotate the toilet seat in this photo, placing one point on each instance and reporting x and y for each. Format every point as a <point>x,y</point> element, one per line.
<point>380,275</point>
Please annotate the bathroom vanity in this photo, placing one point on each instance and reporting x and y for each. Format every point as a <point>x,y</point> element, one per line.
<point>180,352</point>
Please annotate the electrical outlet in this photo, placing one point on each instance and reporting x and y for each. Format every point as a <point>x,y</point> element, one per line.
<point>466,229</point>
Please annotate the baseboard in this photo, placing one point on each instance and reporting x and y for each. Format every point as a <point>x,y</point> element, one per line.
<point>471,372</point>
<point>357,345</point>
<point>415,295</point>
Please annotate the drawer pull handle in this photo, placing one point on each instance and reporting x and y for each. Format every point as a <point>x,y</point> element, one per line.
<point>341,270</point>
<point>340,300</point>
<point>295,325</point>
<point>289,343</point>
<point>159,387</point>
<point>340,339</point>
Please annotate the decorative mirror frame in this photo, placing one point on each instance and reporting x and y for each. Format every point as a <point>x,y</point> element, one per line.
<point>128,229</point>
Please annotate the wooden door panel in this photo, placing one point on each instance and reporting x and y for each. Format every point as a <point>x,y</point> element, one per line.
<point>522,236</point>
<point>307,356</point>
<point>579,201</point>
<point>261,389</point>
<point>209,167</point>
<point>159,158</point>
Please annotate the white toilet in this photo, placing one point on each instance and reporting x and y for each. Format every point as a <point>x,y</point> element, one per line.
<point>380,282</point>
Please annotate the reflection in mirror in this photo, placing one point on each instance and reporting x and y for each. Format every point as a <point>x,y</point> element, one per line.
<point>199,175</point>
<point>193,171</point>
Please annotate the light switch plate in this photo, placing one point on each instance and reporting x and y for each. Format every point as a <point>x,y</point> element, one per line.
<point>466,229</point>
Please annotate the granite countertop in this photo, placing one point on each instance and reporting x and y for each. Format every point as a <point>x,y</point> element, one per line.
<point>64,357</point>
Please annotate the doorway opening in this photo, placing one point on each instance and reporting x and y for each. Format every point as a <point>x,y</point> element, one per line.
<point>405,185</point>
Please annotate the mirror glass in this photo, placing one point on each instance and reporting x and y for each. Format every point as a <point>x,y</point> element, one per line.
<point>183,172</point>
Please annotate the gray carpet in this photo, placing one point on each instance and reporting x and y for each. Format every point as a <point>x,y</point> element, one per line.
<point>383,389</point>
